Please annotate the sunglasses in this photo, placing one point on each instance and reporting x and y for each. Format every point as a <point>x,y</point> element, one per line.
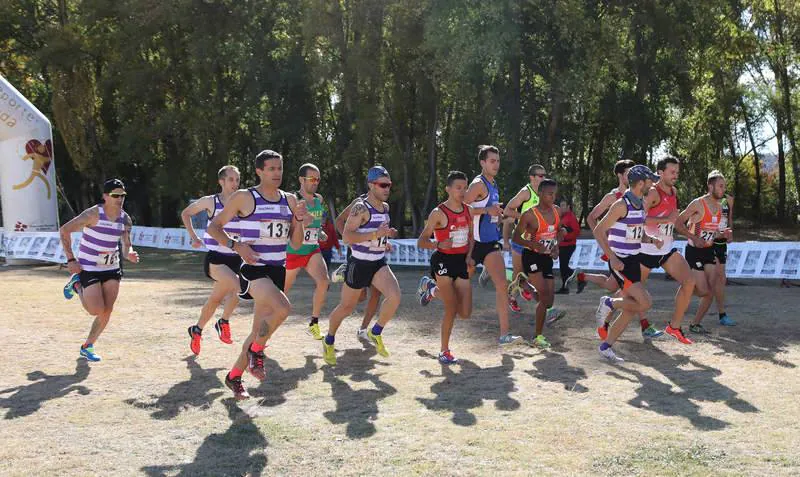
<point>117,195</point>
<point>383,185</point>
<point>313,180</point>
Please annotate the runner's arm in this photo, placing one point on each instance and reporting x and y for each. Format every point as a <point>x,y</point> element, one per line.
<point>204,203</point>
<point>87,218</point>
<point>434,222</point>
<point>511,208</point>
<point>597,212</point>
<point>528,221</point>
<point>359,215</point>
<point>341,219</point>
<point>470,261</point>
<point>236,204</point>
<point>299,219</point>
<point>127,247</point>
<point>475,192</point>
<point>689,215</point>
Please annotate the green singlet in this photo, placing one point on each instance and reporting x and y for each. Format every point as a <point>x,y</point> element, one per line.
<point>311,233</point>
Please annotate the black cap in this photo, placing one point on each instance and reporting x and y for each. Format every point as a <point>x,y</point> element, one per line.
<point>112,184</point>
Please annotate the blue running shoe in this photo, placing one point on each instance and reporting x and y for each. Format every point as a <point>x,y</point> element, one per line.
<point>724,320</point>
<point>69,288</point>
<point>89,354</point>
<point>651,332</point>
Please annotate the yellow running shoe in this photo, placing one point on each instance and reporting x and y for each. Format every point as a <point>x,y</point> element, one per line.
<point>378,340</point>
<point>313,330</point>
<point>328,354</point>
<point>541,342</point>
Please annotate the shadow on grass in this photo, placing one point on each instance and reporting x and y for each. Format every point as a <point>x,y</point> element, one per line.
<point>198,391</point>
<point>28,399</point>
<point>554,368</point>
<point>466,385</point>
<point>240,450</point>
<point>697,384</point>
<point>357,408</point>
<point>280,381</point>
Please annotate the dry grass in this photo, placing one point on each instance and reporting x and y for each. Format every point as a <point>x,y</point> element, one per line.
<point>724,406</point>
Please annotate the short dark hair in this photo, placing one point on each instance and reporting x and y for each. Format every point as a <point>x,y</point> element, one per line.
<point>547,183</point>
<point>455,176</point>
<point>534,168</point>
<point>223,172</point>
<point>713,177</point>
<point>484,150</point>
<point>666,160</point>
<point>264,156</point>
<point>305,167</point>
<point>621,166</point>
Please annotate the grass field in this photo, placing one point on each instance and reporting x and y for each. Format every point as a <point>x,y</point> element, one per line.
<point>724,406</point>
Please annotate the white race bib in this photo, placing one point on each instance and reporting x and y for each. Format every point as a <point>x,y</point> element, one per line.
<point>548,244</point>
<point>634,232</point>
<point>459,237</point>
<point>108,258</point>
<point>707,235</point>
<point>274,230</point>
<point>665,230</point>
<point>311,236</point>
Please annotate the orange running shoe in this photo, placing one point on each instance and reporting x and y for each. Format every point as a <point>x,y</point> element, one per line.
<point>677,333</point>
<point>195,335</point>
<point>224,331</point>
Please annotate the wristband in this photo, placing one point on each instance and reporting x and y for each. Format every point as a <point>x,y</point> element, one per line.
<point>71,260</point>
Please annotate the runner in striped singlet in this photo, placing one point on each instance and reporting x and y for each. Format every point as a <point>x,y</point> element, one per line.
<point>367,231</point>
<point>621,234</point>
<point>221,263</point>
<point>309,256</point>
<point>96,271</point>
<point>705,216</point>
<point>269,219</point>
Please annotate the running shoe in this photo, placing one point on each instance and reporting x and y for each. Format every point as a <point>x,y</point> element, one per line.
<point>526,290</point>
<point>338,275</point>
<point>70,289</point>
<point>425,289</point>
<point>483,278</point>
<point>362,335</point>
<point>541,342</point>
<point>446,357</point>
<point>575,274</point>
<point>513,305</point>
<point>603,310</point>
<point>223,328</point>
<point>378,341</point>
<point>651,332</point>
<point>195,337</point>
<point>581,282</point>
<point>698,328</point>
<point>235,385</point>
<point>314,331</point>
<point>554,314</point>
<point>328,354</point>
<point>677,333</point>
<point>255,364</point>
<point>609,355</point>
<point>726,321</point>
<point>509,340</point>
<point>562,291</point>
<point>89,353</point>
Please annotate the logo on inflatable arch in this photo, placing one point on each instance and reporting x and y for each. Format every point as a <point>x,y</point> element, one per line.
<point>42,156</point>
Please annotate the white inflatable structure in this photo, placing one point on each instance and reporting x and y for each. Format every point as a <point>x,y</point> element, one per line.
<point>27,173</point>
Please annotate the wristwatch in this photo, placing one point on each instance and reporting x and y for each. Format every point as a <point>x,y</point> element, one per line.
<point>232,242</point>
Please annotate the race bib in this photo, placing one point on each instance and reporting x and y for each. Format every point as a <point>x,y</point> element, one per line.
<point>459,237</point>
<point>274,230</point>
<point>634,232</point>
<point>494,219</point>
<point>380,243</point>
<point>311,237</point>
<point>108,258</point>
<point>548,244</point>
<point>707,235</point>
<point>665,230</point>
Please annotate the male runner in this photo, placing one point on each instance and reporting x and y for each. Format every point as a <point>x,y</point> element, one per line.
<point>661,203</point>
<point>268,219</point>
<point>542,224</point>
<point>483,197</point>
<point>367,231</point>
<point>451,225</point>
<point>221,263</point>
<point>721,252</point>
<point>705,216</point>
<point>621,234</point>
<point>96,271</point>
<point>308,255</point>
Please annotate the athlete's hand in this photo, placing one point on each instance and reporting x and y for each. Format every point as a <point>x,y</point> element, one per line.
<point>383,230</point>
<point>495,210</point>
<point>393,233</point>
<point>673,216</point>
<point>74,267</point>
<point>389,246</point>
<point>248,255</point>
<point>301,211</point>
<point>554,252</point>
<point>470,263</point>
<point>133,256</point>
<point>323,237</point>
<point>728,234</point>
<point>616,263</point>
<point>197,243</point>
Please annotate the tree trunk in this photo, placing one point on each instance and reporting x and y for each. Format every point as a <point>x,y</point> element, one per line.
<point>433,126</point>
<point>781,168</point>
<point>756,163</point>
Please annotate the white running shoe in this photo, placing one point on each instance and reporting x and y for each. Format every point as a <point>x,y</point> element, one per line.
<point>609,355</point>
<point>602,312</point>
<point>338,275</point>
<point>362,335</point>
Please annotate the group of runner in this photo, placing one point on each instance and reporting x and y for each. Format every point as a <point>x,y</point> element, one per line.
<point>259,238</point>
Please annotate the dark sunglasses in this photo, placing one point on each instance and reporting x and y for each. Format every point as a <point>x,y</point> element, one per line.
<point>117,195</point>
<point>383,185</point>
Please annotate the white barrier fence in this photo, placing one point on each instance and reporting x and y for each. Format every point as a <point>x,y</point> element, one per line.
<point>774,260</point>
